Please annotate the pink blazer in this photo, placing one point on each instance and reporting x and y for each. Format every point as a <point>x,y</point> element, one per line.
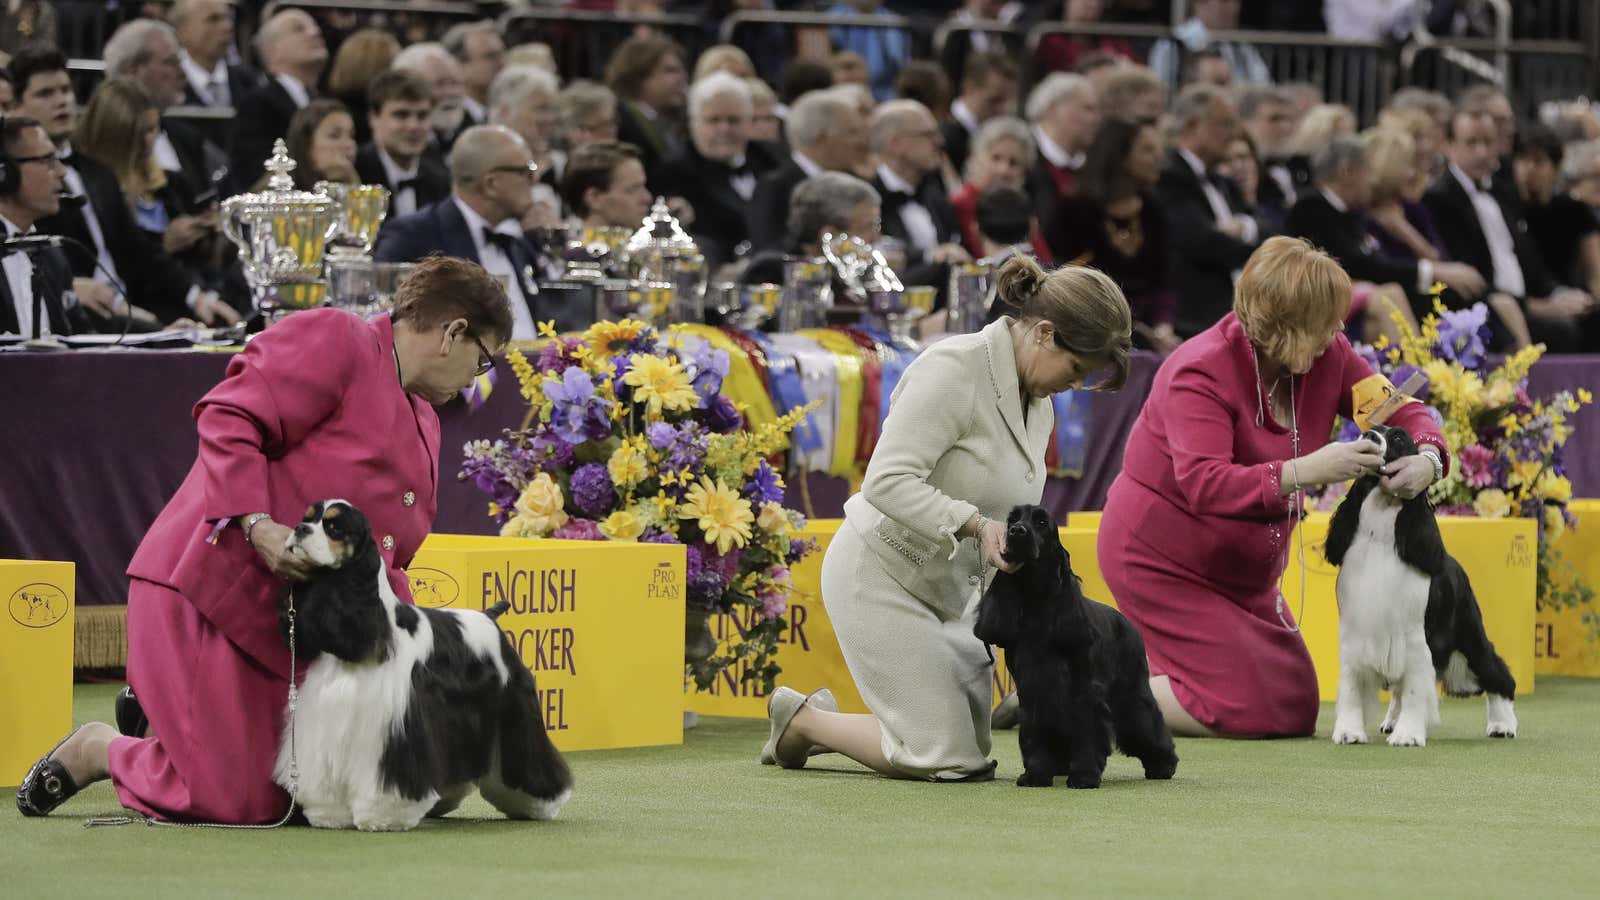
<point>311,410</point>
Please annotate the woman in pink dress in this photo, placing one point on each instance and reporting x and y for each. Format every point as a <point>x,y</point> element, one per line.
<point>1198,527</point>
<point>321,405</point>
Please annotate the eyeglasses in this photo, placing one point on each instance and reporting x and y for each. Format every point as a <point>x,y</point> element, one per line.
<point>529,171</point>
<point>486,360</point>
<point>49,159</point>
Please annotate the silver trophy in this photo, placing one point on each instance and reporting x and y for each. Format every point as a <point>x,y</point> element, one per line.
<point>281,234</point>
<point>807,293</point>
<point>969,297</point>
<point>363,209</point>
<point>868,278</point>
<point>664,256</point>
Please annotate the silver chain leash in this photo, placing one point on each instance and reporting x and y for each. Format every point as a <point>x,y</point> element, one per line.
<point>1299,514</point>
<point>294,765</point>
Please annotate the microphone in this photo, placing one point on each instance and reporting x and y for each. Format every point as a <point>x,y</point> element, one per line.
<point>25,243</point>
<point>71,201</point>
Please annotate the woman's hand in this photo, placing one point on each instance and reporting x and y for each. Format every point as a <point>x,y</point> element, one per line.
<point>269,538</point>
<point>1407,477</point>
<point>1337,462</point>
<point>992,544</point>
<point>184,232</point>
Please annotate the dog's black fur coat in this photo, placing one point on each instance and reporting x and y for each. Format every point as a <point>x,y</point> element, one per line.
<point>1080,669</point>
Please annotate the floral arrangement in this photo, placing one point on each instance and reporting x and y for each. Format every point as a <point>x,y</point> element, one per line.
<point>1508,447</point>
<point>629,438</point>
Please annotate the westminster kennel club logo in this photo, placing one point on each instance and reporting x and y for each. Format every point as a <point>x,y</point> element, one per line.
<point>38,605</point>
<point>433,588</point>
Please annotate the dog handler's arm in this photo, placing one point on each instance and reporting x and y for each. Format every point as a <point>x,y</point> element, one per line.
<point>930,410</point>
<point>1200,433</point>
<point>1361,389</point>
<point>288,380</point>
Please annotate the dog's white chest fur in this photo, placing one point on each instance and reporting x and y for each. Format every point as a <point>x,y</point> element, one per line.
<point>1382,600</point>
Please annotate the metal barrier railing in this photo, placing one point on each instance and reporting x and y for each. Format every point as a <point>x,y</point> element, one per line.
<point>582,41</point>
<point>919,31</point>
<point>432,16</point>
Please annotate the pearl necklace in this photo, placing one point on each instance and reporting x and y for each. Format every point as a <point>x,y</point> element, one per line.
<point>1296,516</point>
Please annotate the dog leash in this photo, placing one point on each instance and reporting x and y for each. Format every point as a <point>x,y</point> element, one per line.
<point>1299,517</point>
<point>294,765</point>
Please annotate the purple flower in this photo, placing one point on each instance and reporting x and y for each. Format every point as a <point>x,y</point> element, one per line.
<point>1462,333</point>
<point>799,549</point>
<point>1370,354</point>
<point>1405,371</point>
<point>1349,431</point>
<point>707,367</point>
<point>763,488</point>
<point>661,435</point>
<point>722,417</point>
<point>577,529</point>
<point>591,490</point>
<point>705,582</point>
<point>653,536</point>
<point>578,413</point>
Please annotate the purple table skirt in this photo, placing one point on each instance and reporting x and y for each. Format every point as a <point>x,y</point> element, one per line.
<point>96,441</point>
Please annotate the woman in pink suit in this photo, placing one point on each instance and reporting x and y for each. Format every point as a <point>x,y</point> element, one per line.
<point>321,405</point>
<point>1198,527</point>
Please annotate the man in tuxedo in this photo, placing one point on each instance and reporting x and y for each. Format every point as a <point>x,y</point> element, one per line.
<point>1330,216</point>
<point>915,207</point>
<point>147,51</point>
<point>1267,114</point>
<point>104,224</point>
<point>440,71</point>
<point>480,50</point>
<point>988,89</point>
<point>292,49</point>
<point>399,109</point>
<point>1488,99</point>
<point>827,133</point>
<point>1065,112</point>
<point>33,298</point>
<point>480,220</point>
<point>717,172</point>
<point>1209,237</point>
<point>205,31</point>
<point>1486,230</point>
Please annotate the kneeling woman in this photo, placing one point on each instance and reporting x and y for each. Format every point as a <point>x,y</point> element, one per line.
<point>964,442</point>
<point>1198,527</point>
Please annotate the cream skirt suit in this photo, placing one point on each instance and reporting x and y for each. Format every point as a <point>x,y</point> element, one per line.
<point>901,589</point>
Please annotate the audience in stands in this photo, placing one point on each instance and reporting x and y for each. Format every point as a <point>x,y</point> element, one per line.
<point>1065,112</point>
<point>481,53</point>
<point>826,203</point>
<point>525,99</point>
<point>963,41</point>
<point>651,80</point>
<point>915,206</point>
<point>1002,155</point>
<point>827,133</point>
<point>1195,35</point>
<point>33,291</point>
<point>1563,229</point>
<point>322,142</point>
<point>1133,93</point>
<point>441,73</point>
<point>147,52</point>
<point>1267,114</point>
<point>363,56</point>
<point>604,186</point>
<point>724,58</point>
<point>293,54</point>
<point>481,220</point>
<point>1061,52</point>
<point>206,32</point>
<point>1209,237</point>
<point>1115,223</point>
<point>1397,220</point>
<point>882,50</point>
<point>766,125</point>
<point>988,89</point>
<point>400,114</point>
<point>588,115</point>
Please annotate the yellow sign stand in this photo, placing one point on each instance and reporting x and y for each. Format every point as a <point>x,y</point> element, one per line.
<point>600,625</point>
<point>35,661</point>
<point>1497,554</point>
<point>1567,641</point>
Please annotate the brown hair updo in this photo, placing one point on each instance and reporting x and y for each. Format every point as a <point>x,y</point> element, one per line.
<point>1090,315</point>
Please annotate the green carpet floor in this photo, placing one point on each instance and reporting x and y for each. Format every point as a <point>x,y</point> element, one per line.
<point>1464,817</point>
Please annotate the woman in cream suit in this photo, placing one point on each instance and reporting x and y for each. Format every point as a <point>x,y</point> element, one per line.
<point>963,443</point>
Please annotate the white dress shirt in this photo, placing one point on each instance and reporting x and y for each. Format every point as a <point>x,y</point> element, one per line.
<point>1281,176</point>
<point>74,182</point>
<point>961,112</point>
<point>212,86</point>
<point>744,183</point>
<point>806,165</point>
<point>297,91</point>
<point>405,200</point>
<point>1054,153</point>
<point>921,232</point>
<point>497,263</point>
<point>166,154</point>
<point>19,277</point>
<point>1502,248</point>
<point>1369,243</point>
<point>1220,210</point>
<point>476,111</point>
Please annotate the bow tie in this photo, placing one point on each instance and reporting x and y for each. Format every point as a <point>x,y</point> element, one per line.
<point>499,239</point>
<point>404,183</point>
<point>904,196</point>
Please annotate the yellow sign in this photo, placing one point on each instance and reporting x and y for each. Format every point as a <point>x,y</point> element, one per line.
<point>1567,641</point>
<point>35,661</point>
<point>1497,554</point>
<point>600,625</point>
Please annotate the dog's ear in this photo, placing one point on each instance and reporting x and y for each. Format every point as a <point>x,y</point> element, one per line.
<point>1342,528</point>
<point>1417,540</point>
<point>999,614</point>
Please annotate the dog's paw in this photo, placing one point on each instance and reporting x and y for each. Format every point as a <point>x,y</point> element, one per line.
<point>1160,771</point>
<point>1502,718</point>
<point>1083,780</point>
<point>1407,737</point>
<point>1347,734</point>
<point>1498,730</point>
<point>1035,779</point>
<point>329,818</point>
<point>1387,727</point>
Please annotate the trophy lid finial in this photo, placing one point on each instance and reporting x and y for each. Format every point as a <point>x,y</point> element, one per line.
<point>280,165</point>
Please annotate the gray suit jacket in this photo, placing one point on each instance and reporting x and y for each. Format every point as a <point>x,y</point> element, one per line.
<point>954,443</point>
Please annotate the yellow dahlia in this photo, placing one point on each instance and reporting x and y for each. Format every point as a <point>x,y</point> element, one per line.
<point>627,466</point>
<point>1551,486</point>
<point>1492,504</point>
<point>660,383</point>
<point>722,514</point>
<point>622,525</point>
<point>613,337</point>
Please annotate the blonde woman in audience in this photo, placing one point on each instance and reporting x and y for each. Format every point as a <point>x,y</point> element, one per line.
<point>765,123</point>
<point>724,58</point>
<point>1426,134</point>
<point>1318,126</point>
<point>588,115</point>
<point>361,57</point>
<point>534,53</point>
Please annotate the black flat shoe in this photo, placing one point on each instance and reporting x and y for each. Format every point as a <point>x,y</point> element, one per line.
<point>47,785</point>
<point>131,719</point>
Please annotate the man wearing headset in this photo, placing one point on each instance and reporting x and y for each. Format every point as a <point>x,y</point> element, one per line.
<point>33,298</point>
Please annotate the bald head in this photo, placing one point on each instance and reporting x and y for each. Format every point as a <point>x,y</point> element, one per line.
<point>492,170</point>
<point>484,147</point>
<point>291,43</point>
<point>906,138</point>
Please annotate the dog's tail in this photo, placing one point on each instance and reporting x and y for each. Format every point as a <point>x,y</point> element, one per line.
<point>497,610</point>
